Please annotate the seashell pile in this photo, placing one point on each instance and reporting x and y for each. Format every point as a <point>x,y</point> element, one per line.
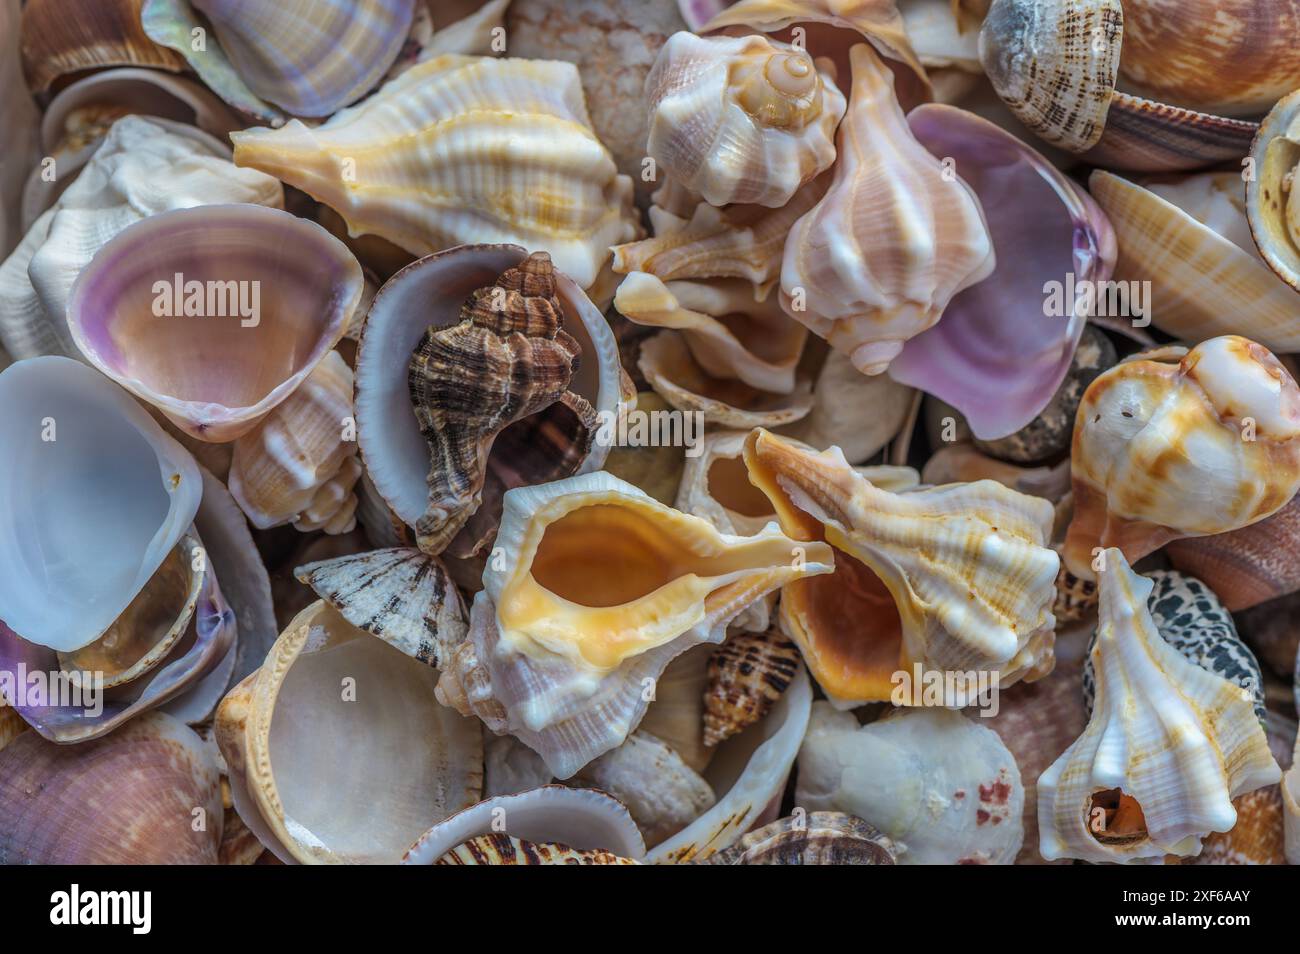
<point>626,432</point>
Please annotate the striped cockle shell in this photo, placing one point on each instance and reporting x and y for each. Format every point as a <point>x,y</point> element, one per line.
<point>592,589</point>
<point>1167,748</point>
<point>741,119</point>
<point>956,578</point>
<point>501,849</point>
<point>402,596</point>
<point>905,267</point>
<point>747,675</point>
<point>1172,444</point>
<point>508,138</point>
<point>811,838</point>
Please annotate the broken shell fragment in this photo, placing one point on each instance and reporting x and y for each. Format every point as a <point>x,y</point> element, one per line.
<point>1167,448</point>
<point>956,578</point>
<point>747,675</point>
<point>741,120</point>
<point>1167,748</point>
<point>819,838</point>
<point>172,308</point>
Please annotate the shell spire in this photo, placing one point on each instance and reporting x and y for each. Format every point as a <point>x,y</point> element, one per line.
<point>1168,747</point>
<point>508,359</point>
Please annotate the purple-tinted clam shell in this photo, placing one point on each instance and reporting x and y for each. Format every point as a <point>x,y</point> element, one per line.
<point>998,353</point>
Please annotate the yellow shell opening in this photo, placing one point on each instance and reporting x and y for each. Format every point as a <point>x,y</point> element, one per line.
<point>729,485</point>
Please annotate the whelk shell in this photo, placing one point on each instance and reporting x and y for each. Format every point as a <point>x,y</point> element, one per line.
<point>956,578</point>
<point>904,270</point>
<point>463,149</point>
<point>1167,448</point>
<point>210,364</point>
<point>741,120</point>
<point>1167,748</point>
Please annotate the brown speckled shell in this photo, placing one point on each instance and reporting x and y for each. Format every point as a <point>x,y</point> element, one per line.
<point>508,362</point>
<point>818,838</point>
<point>746,675</point>
<point>499,848</point>
<point>1076,598</point>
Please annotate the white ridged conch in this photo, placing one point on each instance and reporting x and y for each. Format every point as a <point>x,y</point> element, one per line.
<point>1174,444</point>
<point>741,119</point>
<point>1168,747</point>
<point>144,166</point>
<point>730,331</point>
<point>463,149</point>
<point>299,465</point>
<point>593,587</point>
<point>955,582</point>
<point>942,785</point>
<point>896,236</point>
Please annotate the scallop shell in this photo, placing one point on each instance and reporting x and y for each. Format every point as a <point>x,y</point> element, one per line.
<point>284,468</point>
<point>509,139</point>
<point>954,579</point>
<point>731,333</point>
<point>593,588</point>
<point>662,793</point>
<point>749,773</point>
<point>741,120</point>
<point>1190,239</point>
<point>580,819</point>
<point>402,596</point>
<point>144,166</point>
<point>508,362</point>
<point>61,38</point>
<point>1165,450</point>
<point>811,838</point>
<point>1179,744</point>
<point>208,364</point>
<point>942,787</point>
<point>747,675</point>
<point>150,783</point>
<point>501,849</point>
<point>904,270</point>
<point>86,464</point>
<point>430,293</point>
<point>338,751</point>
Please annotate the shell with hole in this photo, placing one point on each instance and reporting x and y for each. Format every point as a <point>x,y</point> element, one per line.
<point>299,464</point>
<point>817,838</point>
<point>741,119</point>
<point>955,580</point>
<point>1168,746</point>
<point>1055,64</point>
<point>905,269</point>
<point>491,446</point>
<point>943,787</point>
<point>592,589</point>
<point>1176,443</point>
<point>150,783</point>
<point>223,357</point>
<point>143,167</point>
<point>337,749</point>
<point>508,139</point>
<point>1190,240</point>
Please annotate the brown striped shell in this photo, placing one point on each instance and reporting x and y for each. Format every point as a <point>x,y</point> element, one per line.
<point>1076,598</point>
<point>498,848</point>
<point>746,675</point>
<point>817,838</point>
<point>498,380</point>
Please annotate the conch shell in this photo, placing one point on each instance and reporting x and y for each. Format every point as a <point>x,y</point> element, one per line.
<point>896,236</point>
<point>592,589</point>
<point>509,359</point>
<point>1165,450</point>
<point>955,579</point>
<point>463,149</point>
<point>741,120</point>
<point>1168,747</point>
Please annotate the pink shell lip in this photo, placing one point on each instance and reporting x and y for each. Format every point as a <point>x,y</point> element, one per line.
<point>995,354</point>
<point>213,375</point>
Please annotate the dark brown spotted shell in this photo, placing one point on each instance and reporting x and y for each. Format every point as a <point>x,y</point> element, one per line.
<point>746,675</point>
<point>818,838</point>
<point>492,398</point>
<point>498,848</point>
<point>1076,598</point>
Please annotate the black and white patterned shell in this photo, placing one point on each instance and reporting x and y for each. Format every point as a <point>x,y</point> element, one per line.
<point>1190,618</point>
